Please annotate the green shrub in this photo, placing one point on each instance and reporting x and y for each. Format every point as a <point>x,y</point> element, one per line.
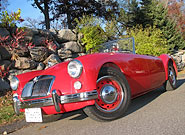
<point>10,20</point>
<point>93,34</point>
<point>149,40</point>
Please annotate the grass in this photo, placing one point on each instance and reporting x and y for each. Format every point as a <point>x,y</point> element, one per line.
<point>7,114</point>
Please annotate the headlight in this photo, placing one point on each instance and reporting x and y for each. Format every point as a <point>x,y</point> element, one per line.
<point>75,68</point>
<point>14,82</point>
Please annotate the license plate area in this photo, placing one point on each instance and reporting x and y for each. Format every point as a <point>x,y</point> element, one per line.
<point>33,115</point>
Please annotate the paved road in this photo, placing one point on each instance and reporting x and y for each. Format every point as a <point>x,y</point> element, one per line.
<point>156,113</point>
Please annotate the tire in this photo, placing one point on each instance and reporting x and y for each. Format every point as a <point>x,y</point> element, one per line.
<point>172,79</point>
<point>113,96</point>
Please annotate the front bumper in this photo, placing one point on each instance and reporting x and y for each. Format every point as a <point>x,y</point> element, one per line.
<point>55,100</point>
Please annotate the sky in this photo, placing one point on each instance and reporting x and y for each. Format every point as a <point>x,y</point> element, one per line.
<point>27,10</point>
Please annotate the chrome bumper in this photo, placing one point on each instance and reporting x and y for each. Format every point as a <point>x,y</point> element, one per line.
<point>54,100</point>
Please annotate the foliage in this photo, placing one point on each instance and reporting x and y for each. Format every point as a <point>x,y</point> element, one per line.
<point>71,9</point>
<point>130,15</point>
<point>16,42</point>
<point>7,113</point>
<point>93,34</point>
<point>149,40</point>
<point>176,11</point>
<point>49,44</point>
<point>4,71</point>
<point>10,20</point>
<point>156,15</point>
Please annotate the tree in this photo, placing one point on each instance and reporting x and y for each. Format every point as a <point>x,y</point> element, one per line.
<point>157,16</point>
<point>71,9</point>
<point>176,11</point>
<point>3,4</point>
<point>45,7</point>
<point>130,14</point>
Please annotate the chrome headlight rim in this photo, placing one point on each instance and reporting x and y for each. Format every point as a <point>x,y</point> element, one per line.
<point>71,68</point>
<point>14,83</point>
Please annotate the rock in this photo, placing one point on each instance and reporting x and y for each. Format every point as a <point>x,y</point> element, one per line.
<point>37,40</point>
<point>180,66</point>
<point>177,58</point>
<point>66,35</point>
<point>14,72</point>
<point>4,85</point>
<point>40,66</point>
<point>73,46</point>
<point>46,33</point>
<point>52,60</point>
<point>5,64</point>
<point>53,32</point>
<point>22,52</point>
<point>68,59</point>
<point>39,53</point>
<point>63,54</point>
<point>80,36</point>
<point>183,58</point>
<point>24,63</point>
<point>5,53</point>
<point>4,32</point>
<point>31,32</point>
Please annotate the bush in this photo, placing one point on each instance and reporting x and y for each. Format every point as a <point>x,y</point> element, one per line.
<point>10,20</point>
<point>93,34</point>
<point>149,40</point>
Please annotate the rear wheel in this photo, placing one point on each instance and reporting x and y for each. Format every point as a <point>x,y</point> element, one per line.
<point>113,96</point>
<point>172,79</point>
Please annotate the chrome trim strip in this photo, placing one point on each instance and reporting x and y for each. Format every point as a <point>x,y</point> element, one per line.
<point>79,97</point>
<point>37,103</point>
<point>56,100</point>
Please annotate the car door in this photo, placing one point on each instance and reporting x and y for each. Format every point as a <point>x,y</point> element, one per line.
<point>137,72</point>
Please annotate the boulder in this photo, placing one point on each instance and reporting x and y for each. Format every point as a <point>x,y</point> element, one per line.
<point>52,60</point>
<point>40,66</point>
<point>73,46</point>
<point>68,59</point>
<point>66,35</point>
<point>39,53</point>
<point>183,58</point>
<point>22,52</point>
<point>4,32</point>
<point>5,64</point>
<point>5,54</point>
<point>24,63</point>
<point>37,40</point>
<point>4,85</point>
<point>64,54</point>
<point>31,32</point>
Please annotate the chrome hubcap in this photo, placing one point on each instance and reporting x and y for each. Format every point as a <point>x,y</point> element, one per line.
<point>172,77</point>
<point>109,94</point>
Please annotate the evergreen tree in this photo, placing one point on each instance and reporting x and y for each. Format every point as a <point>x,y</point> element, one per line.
<point>156,15</point>
<point>131,15</point>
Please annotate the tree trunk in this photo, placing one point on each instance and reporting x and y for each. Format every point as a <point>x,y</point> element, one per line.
<point>46,15</point>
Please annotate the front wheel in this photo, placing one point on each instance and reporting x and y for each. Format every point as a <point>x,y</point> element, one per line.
<point>113,96</point>
<point>172,79</point>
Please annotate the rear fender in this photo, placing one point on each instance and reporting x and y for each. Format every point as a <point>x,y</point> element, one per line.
<point>166,60</point>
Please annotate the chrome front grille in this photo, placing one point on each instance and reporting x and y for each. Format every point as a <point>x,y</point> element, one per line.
<point>40,86</point>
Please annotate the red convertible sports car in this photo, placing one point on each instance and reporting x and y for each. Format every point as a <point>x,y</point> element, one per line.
<point>102,84</point>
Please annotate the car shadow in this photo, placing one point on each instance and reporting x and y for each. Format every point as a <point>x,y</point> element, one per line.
<point>135,105</point>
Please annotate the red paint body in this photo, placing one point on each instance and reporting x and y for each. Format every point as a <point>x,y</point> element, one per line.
<point>143,73</point>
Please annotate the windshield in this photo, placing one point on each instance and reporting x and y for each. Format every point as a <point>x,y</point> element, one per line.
<point>125,45</point>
